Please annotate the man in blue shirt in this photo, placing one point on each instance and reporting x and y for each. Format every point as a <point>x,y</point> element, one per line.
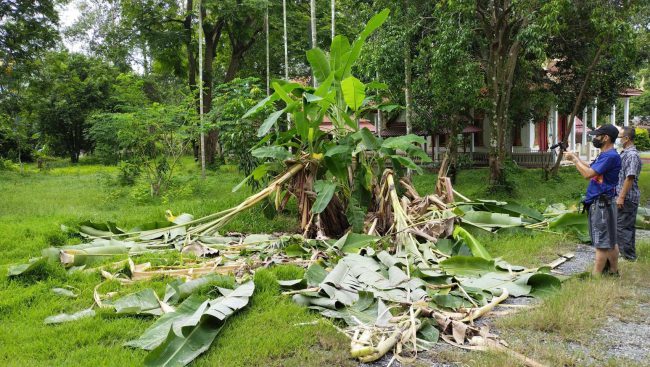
<point>601,196</point>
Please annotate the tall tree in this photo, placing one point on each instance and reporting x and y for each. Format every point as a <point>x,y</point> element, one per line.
<point>597,60</point>
<point>67,89</point>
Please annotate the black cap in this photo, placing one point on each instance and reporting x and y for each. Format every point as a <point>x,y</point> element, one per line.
<point>607,129</point>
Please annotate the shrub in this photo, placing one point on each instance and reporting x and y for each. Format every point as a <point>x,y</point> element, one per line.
<point>642,139</point>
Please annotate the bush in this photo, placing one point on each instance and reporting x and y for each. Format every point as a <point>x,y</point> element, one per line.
<point>642,139</point>
<point>236,135</point>
<point>7,165</point>
<point>128,173</point>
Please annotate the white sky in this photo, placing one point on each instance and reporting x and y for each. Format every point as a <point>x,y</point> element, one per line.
<point>68,14</point>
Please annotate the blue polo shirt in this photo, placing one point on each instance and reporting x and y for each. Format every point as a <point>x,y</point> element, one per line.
<point>607,165</point>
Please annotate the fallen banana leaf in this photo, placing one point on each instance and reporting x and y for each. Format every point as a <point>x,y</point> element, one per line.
<point>80,257</point>
<point>64,317</point>
<point>490,220</point>
<point>65,292</point>
<point>189,336</point>
<point>474,245</point>
<point>144,301</point>
<point>467,265</point>
<point>158,332</point>
<point>23,269</point>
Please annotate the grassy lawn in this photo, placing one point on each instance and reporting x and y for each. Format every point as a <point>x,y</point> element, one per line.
<point>272,331</point>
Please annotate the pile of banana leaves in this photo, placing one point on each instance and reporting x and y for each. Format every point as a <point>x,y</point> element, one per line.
<point>426,279</point>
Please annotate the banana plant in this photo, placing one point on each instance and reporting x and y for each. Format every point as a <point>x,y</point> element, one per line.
<point>342,165</point>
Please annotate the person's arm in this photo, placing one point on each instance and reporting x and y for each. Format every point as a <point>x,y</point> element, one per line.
<point>627,185</point>
<point>584,169</point>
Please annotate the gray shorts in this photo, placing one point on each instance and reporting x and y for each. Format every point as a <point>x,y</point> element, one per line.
<point>602,223</point>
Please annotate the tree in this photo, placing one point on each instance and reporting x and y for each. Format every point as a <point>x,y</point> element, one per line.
<point>597,60</point>
<point>28,30</point>
<point>67,89</point>
<point>448,80</point>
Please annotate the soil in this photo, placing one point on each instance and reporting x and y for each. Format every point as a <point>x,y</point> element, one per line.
<point>624,340</point>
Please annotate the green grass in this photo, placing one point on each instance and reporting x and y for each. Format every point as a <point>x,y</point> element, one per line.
<point>273,331</point>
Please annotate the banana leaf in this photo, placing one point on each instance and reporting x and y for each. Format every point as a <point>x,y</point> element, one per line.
<point>90,255</point>
<point>191,335</point>
<point>467,265</point>
<point>353,242</point>
<point>488,220</point>
<point>474,245</point>
<point>64,317</point>
<point>22,269</point>
<point>156,334</point>
<point>144,301</point>
<point>64,292</point>
<point>572,222</point>
<point>177,291</point>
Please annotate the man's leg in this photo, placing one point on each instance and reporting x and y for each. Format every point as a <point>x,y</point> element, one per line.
<point>612,256</point>
<point>602,255</point>
<point>626,230</point>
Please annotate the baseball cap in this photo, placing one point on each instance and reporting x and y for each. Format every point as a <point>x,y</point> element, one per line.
<point>607,129</point>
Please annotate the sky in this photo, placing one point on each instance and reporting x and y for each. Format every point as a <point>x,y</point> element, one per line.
<point>68,14</point>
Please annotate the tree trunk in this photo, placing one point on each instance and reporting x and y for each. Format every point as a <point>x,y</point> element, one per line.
<point>576,107</point>
<point>212,37</point>
<point>502,61</point>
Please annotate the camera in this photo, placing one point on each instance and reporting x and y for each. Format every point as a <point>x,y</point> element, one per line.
<point>562,145</point>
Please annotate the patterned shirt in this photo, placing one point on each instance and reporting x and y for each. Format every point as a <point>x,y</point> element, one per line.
<point>631,166</point>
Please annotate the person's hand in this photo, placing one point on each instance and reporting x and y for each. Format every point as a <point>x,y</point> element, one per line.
<point>570,156</point>
<point>619,202</point>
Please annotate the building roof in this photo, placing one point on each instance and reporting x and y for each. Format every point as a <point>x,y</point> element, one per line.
<point>630,92</point>
<point>326,125</point>
<point>399,129</point>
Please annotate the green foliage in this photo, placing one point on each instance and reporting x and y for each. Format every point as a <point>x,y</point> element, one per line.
<point>642,139</point>
<point>128,173</point>
<point>69,88</point>
<point>237,135</point>
<point>349,160</point>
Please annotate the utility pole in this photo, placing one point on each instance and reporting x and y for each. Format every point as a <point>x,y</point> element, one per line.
<point>268,67</point>
<point>333,18</point>
<point>201,91</point>
<point>314,41</point>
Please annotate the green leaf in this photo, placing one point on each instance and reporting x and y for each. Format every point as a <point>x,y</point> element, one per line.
<point>275,152</point>
<point>23,269</point>
<point>64,317</point>
<point>404,142</point>
<point>315,274</point>
<point>369,139</point>
<point>406,162</point>
<point>375,22</point>
<point>474,245</point>
<point>324,193</point>
<point>181,350</point>
<point>340,47</point>
<point>354,92</point>
<point>157,332</point>
<point>513,208</point>
<point>319,63</point>
<point>353,242</point>
<point>191,335</point>
<point>268,123</point>
<point>543,284</point>
<point>428,332</point>
<point>467,265</point>
<point>282,93</point>
<point>448,301</point>
<point>356,216</point>
<point>65,292</point>
<point>491,220</point>
<point>144,301</point>
<point>260,105</point>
